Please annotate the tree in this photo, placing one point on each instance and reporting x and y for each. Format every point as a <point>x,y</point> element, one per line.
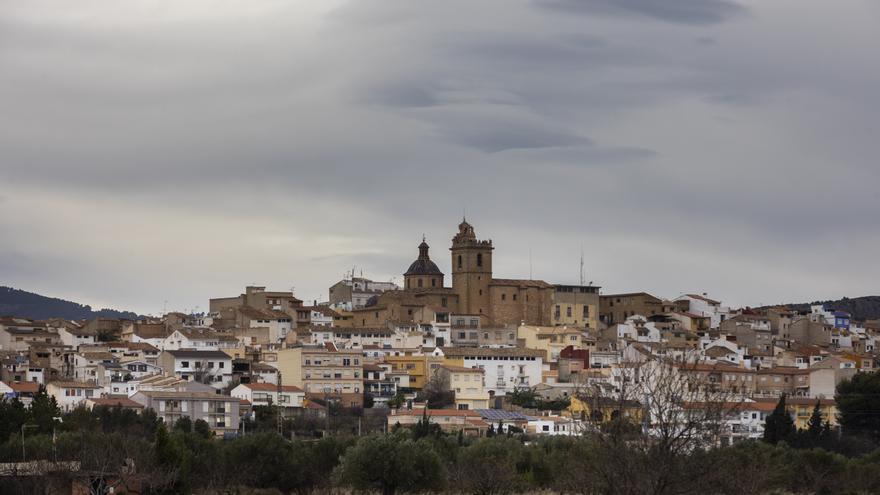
<point>389,463</point>
<point>779,426</point>
<point>858,403</point>
<point>202,428</point>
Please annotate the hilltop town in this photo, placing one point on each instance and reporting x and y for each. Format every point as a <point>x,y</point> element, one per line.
<point>480,353</point>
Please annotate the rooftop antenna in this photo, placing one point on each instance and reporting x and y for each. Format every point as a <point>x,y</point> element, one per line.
<point>582,264</point>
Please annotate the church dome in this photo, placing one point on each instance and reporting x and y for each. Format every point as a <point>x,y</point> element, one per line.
<point>423,265</point>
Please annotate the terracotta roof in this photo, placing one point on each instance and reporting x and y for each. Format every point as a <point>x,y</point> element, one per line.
<point>114,401</point>
<point>436,412</point>
<point>24,387</point>
<point>521,283</point>
<point>270,387</point>
<point>486,351</point>
<point>461,369</point>
<point>72,384</point>
<point>703,298</point>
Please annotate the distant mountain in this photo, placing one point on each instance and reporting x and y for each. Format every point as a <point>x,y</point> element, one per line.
<point>15,302</point>
<point>861,308</point>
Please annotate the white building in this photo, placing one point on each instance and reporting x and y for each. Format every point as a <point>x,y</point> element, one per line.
<point>70,394</point>
<point>506,369</point>
<point>267,394</point>
<point>210,367</point>
<point>703,306</point>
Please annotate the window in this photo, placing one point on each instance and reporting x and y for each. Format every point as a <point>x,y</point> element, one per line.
<point>220,364</point>
<point>210,364</point>
<point>514,297</point>
<point>481,292</point>
<point>459,261</point>
<point>184,364</point>
<point>433,282</point>
<point>479,259</point>
<point>443,302</point>
<point>420,282</point>
<point>568,311</point>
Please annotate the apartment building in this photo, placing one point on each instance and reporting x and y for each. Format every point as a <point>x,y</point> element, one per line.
<point>221,412</point>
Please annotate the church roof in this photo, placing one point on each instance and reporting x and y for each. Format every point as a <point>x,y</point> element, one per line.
<point>423,264</point>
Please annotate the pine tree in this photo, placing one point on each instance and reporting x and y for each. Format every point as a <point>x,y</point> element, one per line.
<point>779,426</point>
<point>815,424</point>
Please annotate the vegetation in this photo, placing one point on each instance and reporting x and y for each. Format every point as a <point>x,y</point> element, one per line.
<point>122,451</point>
<point>29,305</point>
<point>530,399</point>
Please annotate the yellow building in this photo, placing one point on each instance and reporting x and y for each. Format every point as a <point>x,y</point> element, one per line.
<point>288,362</point>
<point>576,305</point>
<point>468,385</point>
<point>604,409</point>
<point>550,339</point>
<point>414,366</point>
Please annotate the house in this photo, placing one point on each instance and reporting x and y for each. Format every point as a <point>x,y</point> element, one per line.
<point>552,340</point>
<point>74,336</point>
<point>17,334</point>
<point>221,412</point>
<point>267,394</point>
<point>209,367</point>
<point>199,339</point>
<point>467,383</point>
<point>450,420</point>
<point>553,425</point>
<point>506,369</point>
<point>332,373</point>
<point>150,333</point>
<point>23,391</point>
<point>114,401</point>
<point>84,364</point>
<point>70,394</point>
<point>379,383</point>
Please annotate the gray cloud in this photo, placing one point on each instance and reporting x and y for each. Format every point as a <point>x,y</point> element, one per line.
<point>696,149</point>
<point>676,11</point>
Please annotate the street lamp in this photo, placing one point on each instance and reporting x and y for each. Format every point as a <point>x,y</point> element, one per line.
<point>23,427</point>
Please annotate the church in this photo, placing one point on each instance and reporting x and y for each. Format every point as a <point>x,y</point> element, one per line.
<point>474,292</point>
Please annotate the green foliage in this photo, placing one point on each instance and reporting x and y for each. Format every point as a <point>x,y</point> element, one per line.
<point>530,399</point>
<point>858,403</point>
<point>389,463</point>
<point>779,426</point>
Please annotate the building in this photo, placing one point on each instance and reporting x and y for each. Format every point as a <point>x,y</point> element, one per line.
<point>576,306</point>
<point>506,369</point>
<point>267,394</point>
<point>616,308</point>
<point>450,420</point>
<point>70,394</point>
<point>551,340</point>
<point>209,367</point>
<point>330,373</point>
<point>496,302</point>
<point>221,412</point>
<point>354,292</point>
<point>467,383</point>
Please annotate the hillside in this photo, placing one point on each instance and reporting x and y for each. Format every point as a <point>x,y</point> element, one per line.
<point>861,308</point>
<point>15,302</point>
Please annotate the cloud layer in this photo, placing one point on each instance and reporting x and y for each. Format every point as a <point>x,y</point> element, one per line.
<point>159,151</point>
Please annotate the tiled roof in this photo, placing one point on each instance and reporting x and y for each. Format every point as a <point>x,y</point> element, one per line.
<point>540,284</point>
<point>270,387</point>
<point>114,401</point>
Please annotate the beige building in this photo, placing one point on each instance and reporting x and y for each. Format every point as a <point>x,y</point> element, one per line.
<point>616,308</point>
<point>576,305</point>
<point>551,340</point>
<point>332,373</point>
<point>496,302</point>
<point>468,385</point>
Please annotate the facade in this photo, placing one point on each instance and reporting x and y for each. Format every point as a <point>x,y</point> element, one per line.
<point>355,292</point>
<point>221,412</point>
<point>506,370</point>
<point>576,306</point>
<point>212,368</point>
<point>467,383</point>
<point>267,394</point>
<point>616,308</point>
<point>332,373</point>
<point>69,394</point>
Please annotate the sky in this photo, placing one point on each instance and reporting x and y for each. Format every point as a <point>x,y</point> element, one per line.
<point>154,154</point>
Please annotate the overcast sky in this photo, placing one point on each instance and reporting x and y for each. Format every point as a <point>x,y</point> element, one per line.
<point>168,150</point>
